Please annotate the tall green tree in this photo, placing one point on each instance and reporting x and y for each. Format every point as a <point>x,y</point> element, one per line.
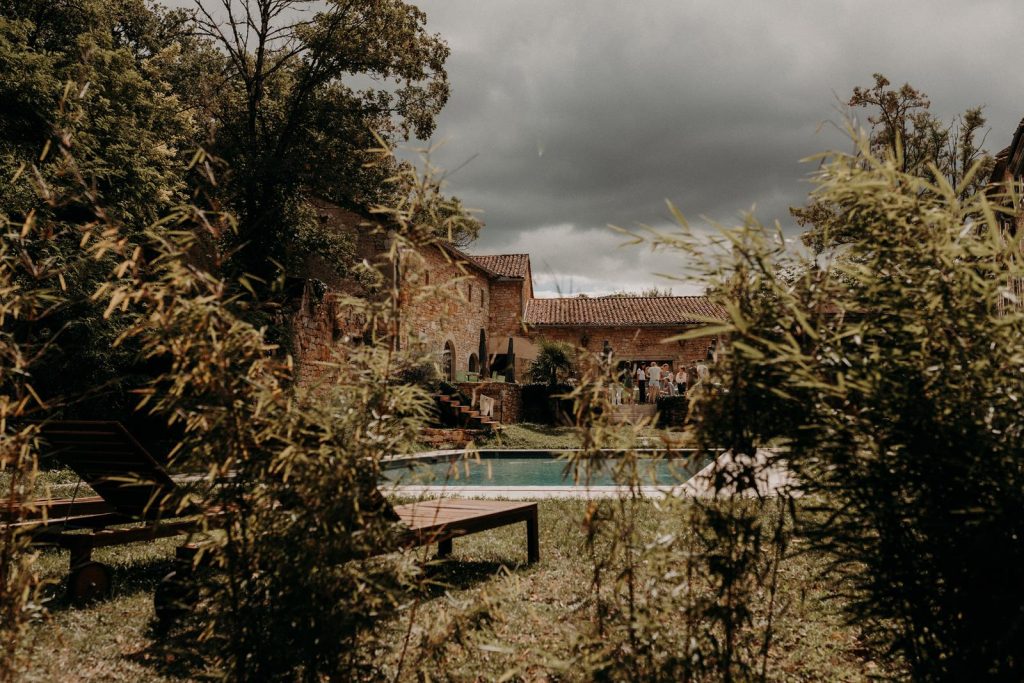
<point>88,71</point>
<point>903,127</point>
<point>300,92</point>
<point>89,133</point>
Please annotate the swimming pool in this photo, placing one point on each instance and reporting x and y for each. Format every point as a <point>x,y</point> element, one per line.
<point>538,469</point>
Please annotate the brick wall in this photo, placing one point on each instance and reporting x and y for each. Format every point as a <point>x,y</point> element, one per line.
<point>314,328</point>
<point>507,306</point>
<point>455,312</point>
<point>465,302</point>
<point>508,396</point>
<point>641,343</point>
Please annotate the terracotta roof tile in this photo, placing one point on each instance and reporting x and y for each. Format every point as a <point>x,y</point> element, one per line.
<point>615,311</point>
<point>506,265</point>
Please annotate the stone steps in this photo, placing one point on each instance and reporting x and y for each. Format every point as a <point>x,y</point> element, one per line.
<point>464,415</point>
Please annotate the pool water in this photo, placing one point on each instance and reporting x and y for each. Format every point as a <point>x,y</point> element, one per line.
<point>534,471</point>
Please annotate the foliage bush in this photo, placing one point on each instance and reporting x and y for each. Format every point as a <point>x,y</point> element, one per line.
<point>554,363</point>
<point>44,268</point>
<point>422,374</point>
<point>294,525</point>
<point>891,373</point>
<point>672,410</point>
<point>546,403</point>
<point>22,305</point>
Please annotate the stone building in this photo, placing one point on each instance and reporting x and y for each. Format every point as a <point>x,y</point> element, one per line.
<point>479,314</point>
<point>1009,171</point>
<point>633,329</point>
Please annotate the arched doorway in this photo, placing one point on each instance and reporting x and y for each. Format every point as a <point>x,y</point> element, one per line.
<point>448,361</point>
<point>474,363</point>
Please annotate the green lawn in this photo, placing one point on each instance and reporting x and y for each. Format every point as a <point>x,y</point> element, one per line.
<point>539,609</point>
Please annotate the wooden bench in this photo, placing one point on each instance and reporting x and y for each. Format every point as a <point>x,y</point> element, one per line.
<point>440,521</point>
<point>138,501</point>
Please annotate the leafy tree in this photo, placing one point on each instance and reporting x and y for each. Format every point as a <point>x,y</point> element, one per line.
<point>119,95</point>
<point>553,364</point>
<point>903,127</point>
<point>90,134</point>
<point>893,380</point>
<point>649,292</point>
<point>85,71</point>
<point>296,106</point>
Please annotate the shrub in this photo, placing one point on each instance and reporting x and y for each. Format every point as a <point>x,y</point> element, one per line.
<point>545,403</point>
<point>20,307</point>
<point>553,364</point>
<point>422,374</point>
<point>672,410</point>
<point>892,373</point>
<point>297,590</point>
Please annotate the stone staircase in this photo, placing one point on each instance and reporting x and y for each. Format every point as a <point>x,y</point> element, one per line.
<point>453,412</point>
<point>632,413</point>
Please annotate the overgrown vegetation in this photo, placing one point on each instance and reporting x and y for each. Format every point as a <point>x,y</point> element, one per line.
<point>19,308</point>
<point>292,519</point>
<point>889,371</point>
<point>892,377</point>
<point>554,364</point>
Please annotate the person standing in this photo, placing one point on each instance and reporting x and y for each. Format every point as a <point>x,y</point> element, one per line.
<point>654,381</point>
<point>641,381</point>
<point>681,380</point>
<point>702,373</point>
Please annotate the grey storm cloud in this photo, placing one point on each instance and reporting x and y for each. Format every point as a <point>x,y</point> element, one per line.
<point>574,115</point>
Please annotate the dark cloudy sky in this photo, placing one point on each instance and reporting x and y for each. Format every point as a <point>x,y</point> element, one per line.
<point>576,114</point>
<point>580,113</point>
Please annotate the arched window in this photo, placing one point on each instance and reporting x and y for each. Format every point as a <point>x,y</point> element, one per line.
<point>474,363</point>
<point>448,361</point>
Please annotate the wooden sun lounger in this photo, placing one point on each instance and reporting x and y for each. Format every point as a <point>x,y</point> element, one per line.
<point>440,521</point>
<point>136,501</point>
<point>134,489</point>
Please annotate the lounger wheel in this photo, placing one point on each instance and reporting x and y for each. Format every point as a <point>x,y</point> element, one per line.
<point>89,582</point>
<point>175,596</point>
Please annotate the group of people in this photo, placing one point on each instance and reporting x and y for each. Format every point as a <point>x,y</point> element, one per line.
<point>645,384</point>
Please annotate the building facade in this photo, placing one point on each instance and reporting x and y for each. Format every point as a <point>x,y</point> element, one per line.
<point>479,314</point>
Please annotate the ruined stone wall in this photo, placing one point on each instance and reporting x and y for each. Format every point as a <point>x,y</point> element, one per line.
<point>509,397</point>
<point>314,330</point>
<point>639,343</point>
<point>455,312</point>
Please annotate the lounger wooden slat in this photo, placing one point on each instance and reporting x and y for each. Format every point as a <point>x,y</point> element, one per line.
<point>56,509</point>
<point>133,487</point>
<point>50,530</point>
<point>440,521</point>
<point>117,467</point>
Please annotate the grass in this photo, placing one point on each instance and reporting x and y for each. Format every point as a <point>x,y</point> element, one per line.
<point>536,612</point>
<point>527,435</point>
